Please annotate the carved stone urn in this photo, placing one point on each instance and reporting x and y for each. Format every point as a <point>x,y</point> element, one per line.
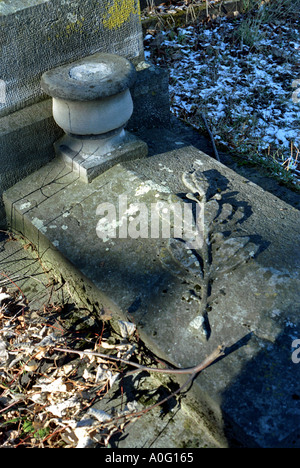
<point>92,103</point>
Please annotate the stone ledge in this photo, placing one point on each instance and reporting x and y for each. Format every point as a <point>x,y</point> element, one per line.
<point>26,142</point>
<point>191,14</point>
<point>250,395</point>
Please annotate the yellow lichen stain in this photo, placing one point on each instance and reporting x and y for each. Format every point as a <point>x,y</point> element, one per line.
<point>75,26</point>
<point>266,294</point>
<point>119,13</point>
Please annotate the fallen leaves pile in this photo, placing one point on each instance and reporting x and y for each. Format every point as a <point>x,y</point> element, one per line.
<point>52,399</point>
<point>48,397</point>
<point>242,74</point>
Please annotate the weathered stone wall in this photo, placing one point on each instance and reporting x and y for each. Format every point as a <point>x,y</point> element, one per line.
<point>26,144</point>
<point>37,35</point>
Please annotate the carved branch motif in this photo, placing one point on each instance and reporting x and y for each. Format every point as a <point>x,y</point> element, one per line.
<point>217,251</point>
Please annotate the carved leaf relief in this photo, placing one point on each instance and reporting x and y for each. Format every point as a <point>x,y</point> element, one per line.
<point>217,253</point>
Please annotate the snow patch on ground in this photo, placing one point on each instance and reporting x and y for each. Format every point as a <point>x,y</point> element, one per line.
<point>246,93</point>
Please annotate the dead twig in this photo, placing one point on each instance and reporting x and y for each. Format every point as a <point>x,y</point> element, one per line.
<point>11,281</point>
<point>211,137</point>
<point>15,402</point>
<point>218,352</point>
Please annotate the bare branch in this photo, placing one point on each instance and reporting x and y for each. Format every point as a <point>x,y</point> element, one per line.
<point>218,352</point>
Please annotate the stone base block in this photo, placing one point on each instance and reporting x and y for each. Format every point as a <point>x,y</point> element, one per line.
<point>91,157</point>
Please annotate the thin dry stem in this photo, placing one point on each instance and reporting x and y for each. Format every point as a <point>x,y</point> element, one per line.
<point>218,352</point>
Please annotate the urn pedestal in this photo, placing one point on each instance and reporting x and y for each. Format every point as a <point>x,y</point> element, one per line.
<point>92,103</point>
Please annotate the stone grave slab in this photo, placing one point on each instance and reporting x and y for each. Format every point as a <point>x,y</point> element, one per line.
<point>237,283</point>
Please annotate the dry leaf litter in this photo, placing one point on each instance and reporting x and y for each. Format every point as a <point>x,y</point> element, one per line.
<point>47,397</point>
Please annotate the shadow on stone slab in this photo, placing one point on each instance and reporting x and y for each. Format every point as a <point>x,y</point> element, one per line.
<point>265,397</point>
<point>179,134</point>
